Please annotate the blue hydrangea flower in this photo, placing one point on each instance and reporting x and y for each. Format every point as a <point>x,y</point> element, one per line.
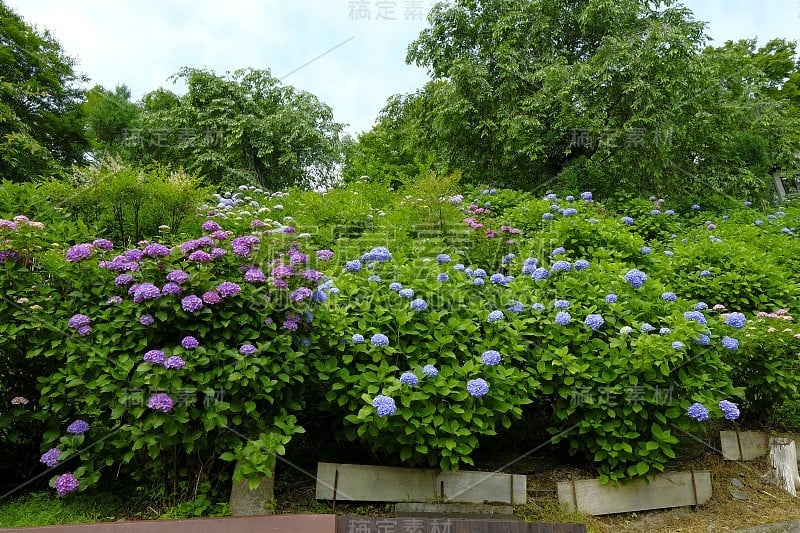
<point>703,340</point>
<point>570,211</point>
<point>586,196</point>
<point>729,410</point>
<point>459,267</point>
<point>664,331</point>
<point>551,197</point>
<point>442,259</point>
<point>705,273</point>
<point>635,278</point>
<point>443,277</point>
<point>701,306</point>
<point>353,266</point>
<point>678,345</point>
<point>477,387</point>
<point>380,340</point>
<point>669,296</point>
<point>669,253</point>
<point>395,286</point>
<point>469,272</point>
<point>494,316</point>
<point>358,338</point>
<point>611,298</point>
<point>381,254</point>
<point>655,212</point>
<point>594,321</point>
<point>563,318</point>
<point>645,250</point>
<point>570,198</point>
<point>669,212</point>
<point>516,307</point>
<point>374,279</point>
<point>547,216</point>
<point>787,231</point>
<point>759,222</point>
<point>772,217</point>
<point>479,282</point>
<point>508,258</point>
<point>736,320</point>
<point>581,264</point>
<point>497,279</point>
<point>430,371</point>
<point>698,412</point>
<point>561,266</point>
<point>479,273</point>
<point>384,405</point>
<point>491,357</point>
<point>697,316</point>
<point>419,304</point>
<point>558,251</point>
<point>729,343</point>
<point>561,304</point>
<point>695,207</point>
<point>646,328</point>
<point>408,378</point>
<point>748,203</point>
<point>780,213</point>
<point>628,221</point>
<point>538,307</point>
<point>406,293</point>
<point>540,274</point>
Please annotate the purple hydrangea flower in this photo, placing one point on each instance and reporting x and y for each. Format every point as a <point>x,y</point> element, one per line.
<point>211,297</point>
<point>669,296</point>
<point>66,483</point>
<point>729,343</point>
<point>408,378</point>
<point>495,316</point>
<point>177,276</point>
<point>729,410</point>
<point>174,363</point>
<point>477,387</point>
<point>430,371</point>
<point>190,343</point>
<point>146,320</point>
<point>380,340</point>
<point>210,225</point>
<point>155,357</point>
<point>200,256</point>
<point>103,244</point>
<point>160,402</point>
<point>146,291</point>
<point>419,304</point>
<point>79,252</point>
<point>114,300</point>
<point>247,349</point>
<point>611,298</point>
<point>324,255</point>
<point>254,275</point>
<point>563,318</point>
<point>123,279</point>
<point>491,357</point>
<point>228,288</point>
<point>300,294</point>
<point>595,322</point>
<point>698,412</point>
<point>220,235</point>
<point>78,320</point>
<point>313,275</point>
<point>50,457</point>
<point>156,250</point>
<point>635,278</point>
<point>736,320</point>
<point>83,331</point>
<point>384,405</point>
<point>78,427</point>
<point>191,303</point>
<point>171,288</point>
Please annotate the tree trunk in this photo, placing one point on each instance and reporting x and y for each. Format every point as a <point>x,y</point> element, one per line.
<point>783,464</point>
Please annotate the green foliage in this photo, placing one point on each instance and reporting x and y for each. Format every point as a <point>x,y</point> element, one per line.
<point>41,123</point>
<point>45,509</point>
<point>109,116</point>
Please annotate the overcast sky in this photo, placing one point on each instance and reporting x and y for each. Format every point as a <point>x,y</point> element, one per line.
<point>141,43</point>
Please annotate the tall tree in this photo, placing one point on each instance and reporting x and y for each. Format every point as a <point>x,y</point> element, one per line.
<point>41,123</point>
<point>593,93</point>
<point>243,126</point>
<point>109,116</point>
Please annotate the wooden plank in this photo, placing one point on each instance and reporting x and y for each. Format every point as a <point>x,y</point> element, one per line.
<point>305,523</point>
<point>754,444</point>
<point>365,524</point>
<point>393,484</point>
<point>674,489</point>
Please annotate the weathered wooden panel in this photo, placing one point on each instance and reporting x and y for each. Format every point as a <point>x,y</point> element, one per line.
<point>754,444</point>
<point>391,484</point>
<point>306,523</point>
<point>674,489</point>
<point>362,524</point>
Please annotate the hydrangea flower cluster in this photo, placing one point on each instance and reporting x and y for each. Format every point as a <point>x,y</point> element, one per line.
<point>491,357</point>
<point>595,322</point>
<point>736,320</point>
<point>495,316</point>
<point>477,387</point>
<point>384,405</point>
<point>380,340</point>
<point>729,410</point>
<point>635,278</point>
<point>698,412</point>
<point>160,402</point>
<point>80,323</point>
<point>430,371</point>
<point>563,318</point>
<point>78,427</point>
<point>408,378</point>
<point>66,483</point>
